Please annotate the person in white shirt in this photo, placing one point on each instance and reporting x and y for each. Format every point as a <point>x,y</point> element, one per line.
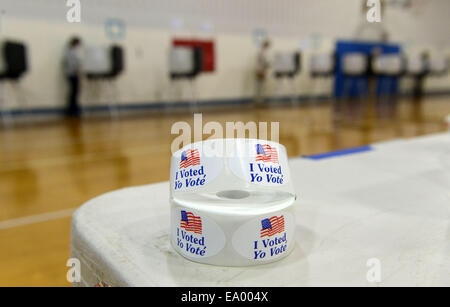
<point>262,66</point>
<point>72,69</point>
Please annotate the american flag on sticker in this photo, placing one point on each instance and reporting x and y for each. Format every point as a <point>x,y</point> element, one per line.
<point>189,157</point>
<point>266,153</point>
<point>272,226</point>
<point>190,222</point>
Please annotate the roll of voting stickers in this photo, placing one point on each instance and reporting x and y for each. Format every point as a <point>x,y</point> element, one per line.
<point>232,202</point>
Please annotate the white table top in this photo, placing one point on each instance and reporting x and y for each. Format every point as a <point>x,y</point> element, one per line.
<point>391,203</point>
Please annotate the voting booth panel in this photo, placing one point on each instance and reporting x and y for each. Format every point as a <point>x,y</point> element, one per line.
<point>103,62</point>
<point>355,69</point>
<point>321,64</point>
<point>2,64</point>
<point>414,65</point>
<point>206,48</point>
<point>102,65</point>
<point>96,60</point>
<point>388,65</point>
<point>181,60</point>
<point>421,65</point>
<point>355,64</point>
<point>14,62</point>
<point>438,65</point>
<point>286,64</point>
<point>118,63</point>
<point>185,61</point>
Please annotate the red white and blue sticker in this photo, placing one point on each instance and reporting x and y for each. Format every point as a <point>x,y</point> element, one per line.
<point>190,222</point>
<point>266,153</point>
<point>195,235</point>
<point>190,169</point>
<point>189,157</point>
<point>272,226</point>
<point>260,162</point>
<point>266,238</point>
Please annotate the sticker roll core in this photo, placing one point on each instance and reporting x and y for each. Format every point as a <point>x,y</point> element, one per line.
<point>232,202</point>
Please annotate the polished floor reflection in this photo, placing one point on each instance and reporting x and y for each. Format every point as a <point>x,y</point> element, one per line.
<point>49,168</point>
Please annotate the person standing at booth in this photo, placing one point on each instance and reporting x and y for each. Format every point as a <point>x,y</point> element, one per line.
<point>72,70</point>
<point>262,66</point>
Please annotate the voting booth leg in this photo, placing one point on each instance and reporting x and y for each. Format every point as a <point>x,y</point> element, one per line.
<point>89,92</point>
<point>112,91</point>
<point>361,106</point>
<point>174,93</point>
<point>370,104</point>
<point>349,107</point>
<point>4,112</point>
<point>259,92</point>
<point>314,113</point>
<point>193,105</point>
<point>381,101</point>
<point>386,102</point>
<point>171,97</point>
<point>19,93</point>
<point>343,103</point>
<point>309,117</point>
<point>276,91</point>
<point>392,100</point>
<point>293,92</point>
<point>417,100</point>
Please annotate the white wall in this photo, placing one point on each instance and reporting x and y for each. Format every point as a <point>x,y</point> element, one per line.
<point>150,29</point>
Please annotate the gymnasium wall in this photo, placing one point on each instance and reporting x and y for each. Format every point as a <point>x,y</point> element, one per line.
<point>151,25</point>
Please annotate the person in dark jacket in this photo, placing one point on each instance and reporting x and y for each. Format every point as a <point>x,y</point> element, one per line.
<point>72,71</point>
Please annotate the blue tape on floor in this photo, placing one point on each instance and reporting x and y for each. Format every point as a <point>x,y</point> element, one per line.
<point>337,153</point>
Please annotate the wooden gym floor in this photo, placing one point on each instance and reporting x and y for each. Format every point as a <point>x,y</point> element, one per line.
<point>47,169</point>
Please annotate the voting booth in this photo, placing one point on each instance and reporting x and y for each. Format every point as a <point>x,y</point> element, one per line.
<point>321,64</point>
<point>387,68</point>
<point>423,64</point>
<point>102,65</point>
<point>96,61</point>
<point>419,67</point>
<point>286,65</point>
<point>13,65</point>
<point>355,68</point>
<point>355,64</point>
<point>185,64</point>
<point>388,65</point>
<point>321,67</point>
<point>414,65</point>
<point>13,61</point>
<point>103,62</point>
<point>438,65</point>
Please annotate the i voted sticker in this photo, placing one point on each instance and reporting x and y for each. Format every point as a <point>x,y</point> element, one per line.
<point>192,169</point>
<point>261,163</point>
<point>195,235</point>
<point>266,238</point>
